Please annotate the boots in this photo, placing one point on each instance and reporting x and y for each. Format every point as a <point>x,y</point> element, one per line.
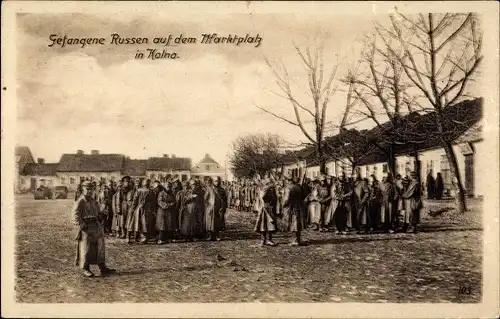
<point>87,272</point>
<point>105,270</point>
<point>269,240</point>
<point>296,239</point>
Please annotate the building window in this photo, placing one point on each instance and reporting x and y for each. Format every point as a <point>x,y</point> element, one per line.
<point>184,177</point>
<point>207,167</point>
<point>384,168</point>
<point>63,180</point>
<point>72,180</point>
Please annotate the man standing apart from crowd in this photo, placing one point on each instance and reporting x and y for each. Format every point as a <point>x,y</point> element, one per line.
<point>90,233</point>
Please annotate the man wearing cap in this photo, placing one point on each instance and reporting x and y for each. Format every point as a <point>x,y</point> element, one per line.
<point>116,206</point>
<point>292,204</point>
<point>413,204</point>
<point>90,233</point>
<point>215,202</point>
<point>266,201</point>
<point>324,200</point>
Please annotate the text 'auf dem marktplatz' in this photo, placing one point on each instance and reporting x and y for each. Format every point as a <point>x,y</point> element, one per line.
<point>116,39</point>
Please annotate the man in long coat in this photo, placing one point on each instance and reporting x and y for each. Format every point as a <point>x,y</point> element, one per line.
<point>188,212</point>
<point>225,201</point>
<point>125,201</point>
<point>324,199</point>
<point>362,192</point>
<point>265,223</point>
<point>413,204</point>
<point>166,216</point>
<point>345,205</point>
<point>431,185</point>
<point>215,202</point>
<point>104,200</point>
<point>292,211</point>
<point>389,204</point>
<point>116,207</point>
<point>90,233</point>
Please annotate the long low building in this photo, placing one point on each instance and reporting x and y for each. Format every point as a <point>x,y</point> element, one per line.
<point>468,147</point>
<point>73,168</point>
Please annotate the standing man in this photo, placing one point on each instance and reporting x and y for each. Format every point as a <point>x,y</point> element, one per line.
<point>104,201</point>
<point>292,210</point>
<point>90,233</point>
<point>266,207</point>
<point>223,194</point>
<point>362,197</point>
<point>116,205</point>
<point>166,216</point>
<point>431,185</point>
<point>214,198</point>
<point>413,203</point>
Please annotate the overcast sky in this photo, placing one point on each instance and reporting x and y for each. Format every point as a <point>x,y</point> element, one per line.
<point>100,97</point>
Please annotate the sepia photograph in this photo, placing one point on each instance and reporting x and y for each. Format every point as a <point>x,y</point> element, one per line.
<point>250,159</point>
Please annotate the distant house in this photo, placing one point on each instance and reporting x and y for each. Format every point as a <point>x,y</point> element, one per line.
<point>37,174</point>
<point>165,167</point>
<point>76,167</point>
<point>23,156</point>
<point>208,167</point>
<point>73,168</point>
<point>134,168</point>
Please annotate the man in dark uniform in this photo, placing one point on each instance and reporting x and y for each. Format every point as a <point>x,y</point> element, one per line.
<point>90,233</point>
<point>292,211</point>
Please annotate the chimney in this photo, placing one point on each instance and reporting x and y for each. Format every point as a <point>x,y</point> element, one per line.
<point>94,152</point>
<point>165,155</point>
<point>41,161</point>
<point>173,155</point>
<point>79,152</point>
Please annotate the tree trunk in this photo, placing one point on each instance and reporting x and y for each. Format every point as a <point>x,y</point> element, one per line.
<point>321,159</point>
<point>391,161</point>
<point>455,172</point>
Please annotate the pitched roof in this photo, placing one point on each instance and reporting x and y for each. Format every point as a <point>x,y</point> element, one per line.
<point>168,163</point>
<point>208,160</point>
<point>462,124</point>
<point>207,165</point>
<point>25,153</point>
<point>134,167</point>
<point>34,169</point>
<point>91,163</point>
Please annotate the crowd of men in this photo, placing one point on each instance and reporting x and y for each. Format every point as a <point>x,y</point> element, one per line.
<point>144,211</point>
<point>344,205</point>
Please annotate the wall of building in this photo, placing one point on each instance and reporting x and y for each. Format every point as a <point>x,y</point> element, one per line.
<point>72,179</point>
<point>205,175</point>
<point>184,175</point>
<point>25,182</point>
<point>434,160</point>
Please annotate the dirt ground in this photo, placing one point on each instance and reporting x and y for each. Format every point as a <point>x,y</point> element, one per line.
<point>430,266</point>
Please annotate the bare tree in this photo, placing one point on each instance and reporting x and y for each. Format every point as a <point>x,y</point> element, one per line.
<point>255,154</point>
<point>379,87</point>
<point>321,89</point>
<point>439,54</point>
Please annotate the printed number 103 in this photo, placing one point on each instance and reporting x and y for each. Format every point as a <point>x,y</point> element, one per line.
<point>465,290</point>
